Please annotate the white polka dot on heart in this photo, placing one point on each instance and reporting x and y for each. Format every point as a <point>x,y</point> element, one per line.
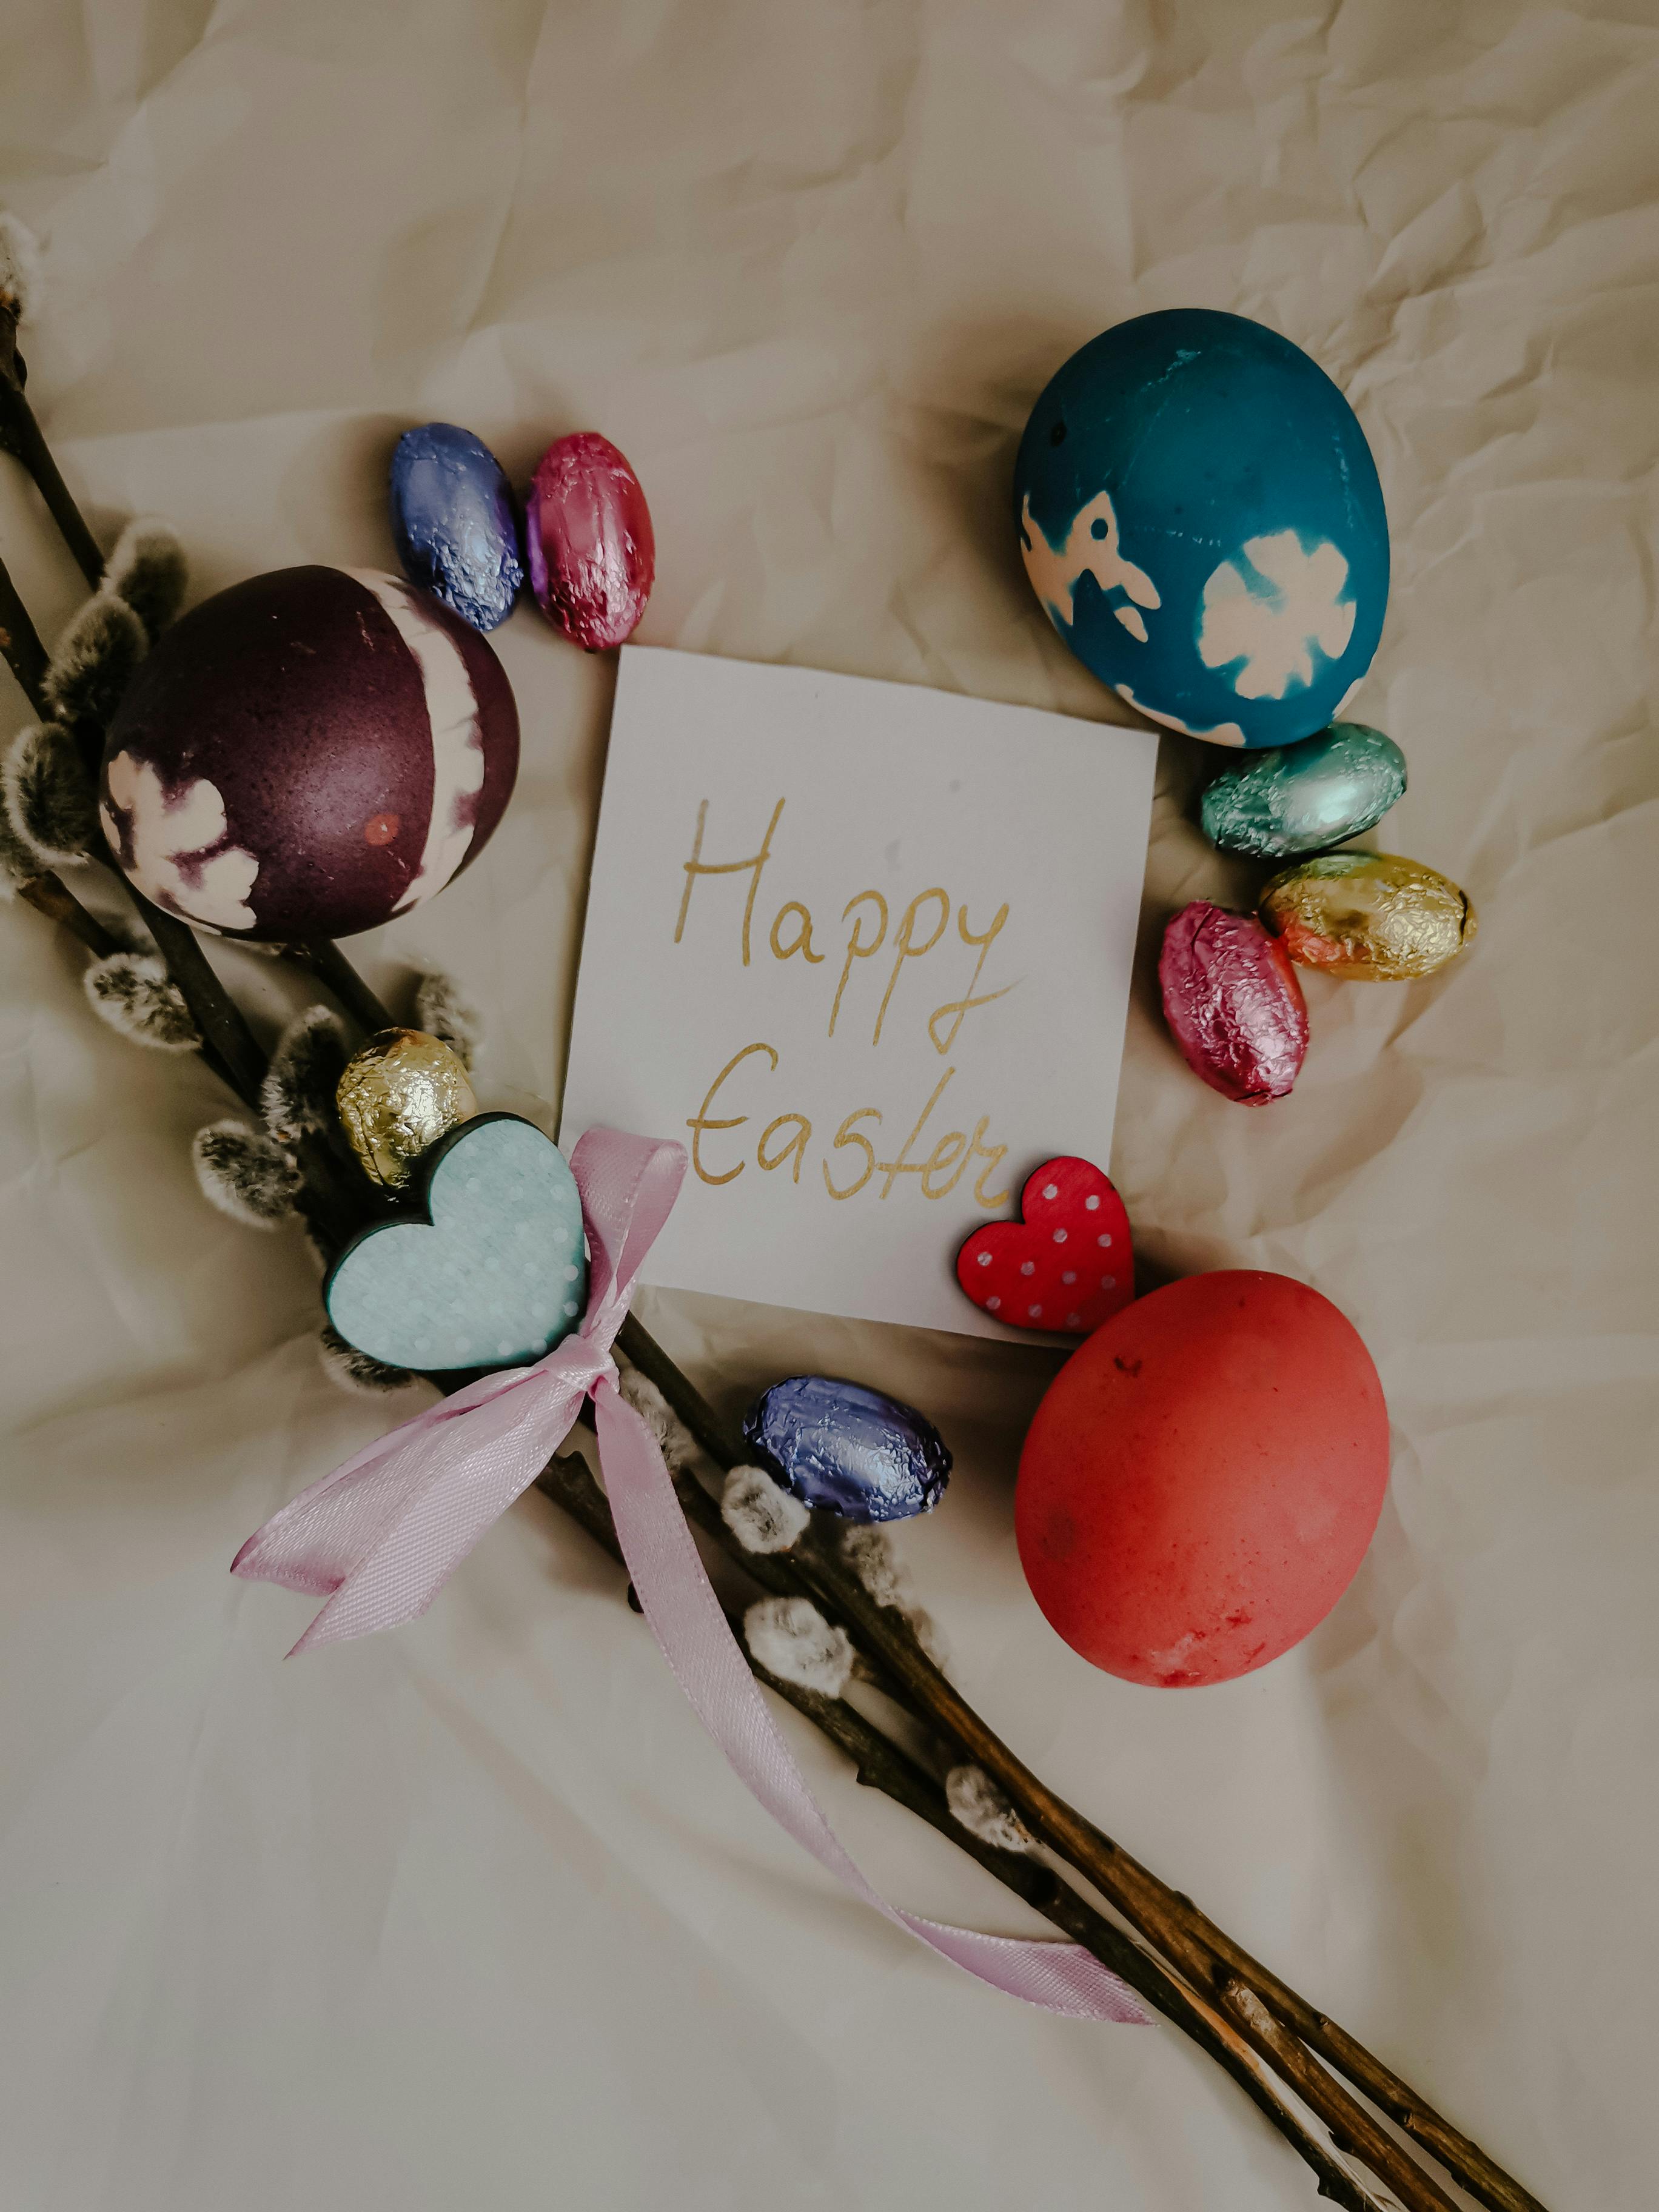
<point>1028,1266</point>
<point>1109,1282</point>
<point>1060,1235</point>
<point>994,1305</point>
<point>984,1258</point>
<point>1033,1313</point>
<point>1075,1320</point>
<point>1103,1240</point>
<point>1070,1276</point>
<point>1051,1190</point>
<point>1091,1205</point>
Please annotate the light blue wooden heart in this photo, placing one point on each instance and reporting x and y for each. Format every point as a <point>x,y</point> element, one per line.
<point>495,1280</point>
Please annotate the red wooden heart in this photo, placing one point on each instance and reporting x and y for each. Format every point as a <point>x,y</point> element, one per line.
<point>1066,1265</point>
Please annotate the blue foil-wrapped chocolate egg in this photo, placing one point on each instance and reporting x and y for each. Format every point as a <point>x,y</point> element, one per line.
<point>1285,799</point>
<point>1200,516</point>
<point>454,521</point>
<point>845,1449</point>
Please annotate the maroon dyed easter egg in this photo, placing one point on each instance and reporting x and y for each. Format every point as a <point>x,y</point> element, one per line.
<point>1233,1004</point>
<point>592,552</point>
<point>308,755</point>
<point>1202,1479</point>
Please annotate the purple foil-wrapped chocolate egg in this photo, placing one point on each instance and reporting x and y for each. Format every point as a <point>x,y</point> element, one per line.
<point>592,554</point>
<point>454,520</point>
<point>308,754</point>
<point>1233,1004</point>
<point>846,1449</point>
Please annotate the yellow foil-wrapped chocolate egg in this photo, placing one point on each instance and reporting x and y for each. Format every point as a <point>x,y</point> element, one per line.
<point>1368,917</point>
<point>402,1092</point>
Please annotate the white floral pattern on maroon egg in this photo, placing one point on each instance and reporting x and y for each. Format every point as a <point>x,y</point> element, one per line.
<point>175,847</point>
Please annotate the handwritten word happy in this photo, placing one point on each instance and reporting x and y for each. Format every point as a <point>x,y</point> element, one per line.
<point>799,918</point>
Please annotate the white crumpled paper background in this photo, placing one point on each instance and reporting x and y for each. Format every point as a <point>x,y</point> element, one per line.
<point>474,1914</point>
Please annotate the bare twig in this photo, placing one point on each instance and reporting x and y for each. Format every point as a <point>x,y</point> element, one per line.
<point>49,895</point>
<point>325,960</point>
<point>19,434</point>
<point>216,1014</point>
<point>20,642</point>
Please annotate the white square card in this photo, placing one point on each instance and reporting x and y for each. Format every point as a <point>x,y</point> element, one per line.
<point>863,949</point>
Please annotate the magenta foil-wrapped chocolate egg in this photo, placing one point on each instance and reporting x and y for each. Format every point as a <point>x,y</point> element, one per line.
<point>592,551</point>
<point>1233,1004</point>
<point>308,755</point>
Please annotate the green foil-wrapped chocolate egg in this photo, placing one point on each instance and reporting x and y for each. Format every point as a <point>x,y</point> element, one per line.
<point>1368,917</point>
<point>1305,798</point>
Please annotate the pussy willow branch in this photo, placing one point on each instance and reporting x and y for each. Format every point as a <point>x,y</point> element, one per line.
<point>1280,2025</point>
<point>882,1765</point>
<point>26,657</point>
<point>884,1636</point>
<point>215,1011</point>
<point>334,1200</point>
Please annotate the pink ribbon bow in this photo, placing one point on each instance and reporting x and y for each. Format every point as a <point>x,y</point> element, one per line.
<point>381,1535</point>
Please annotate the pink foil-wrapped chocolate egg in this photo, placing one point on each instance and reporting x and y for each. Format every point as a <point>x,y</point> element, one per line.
<point>592,555</point>
<point>308,754</point>
<point>1233,1004</point>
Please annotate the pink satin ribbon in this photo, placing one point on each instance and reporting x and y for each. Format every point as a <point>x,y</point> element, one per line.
<point>379,1536</point>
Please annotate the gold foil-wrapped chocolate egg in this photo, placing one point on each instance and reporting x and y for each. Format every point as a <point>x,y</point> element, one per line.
<point>402,1092</point>
<point>1368,917</point>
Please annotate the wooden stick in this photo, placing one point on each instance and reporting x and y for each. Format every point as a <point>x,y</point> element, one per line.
<point>881,1764</point>
<point>20,435</point>
<point>1169,1920</point>
<point>49,895</point>
<point>20,642</point>
<point>325,960</point>
<point>216,1014</point>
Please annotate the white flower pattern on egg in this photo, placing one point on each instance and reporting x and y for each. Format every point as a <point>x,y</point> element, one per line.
<point>1270,619</point>
<point>1091,550</point>
<point>175,846</point>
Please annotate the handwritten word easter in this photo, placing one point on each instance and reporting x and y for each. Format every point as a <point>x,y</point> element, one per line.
<point>923,926</point>
<point>953,1152</point>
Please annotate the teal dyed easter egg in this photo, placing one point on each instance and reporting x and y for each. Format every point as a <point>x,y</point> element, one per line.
<point>1303,798</point>
<point>494,1275</point>
<point>1200,516</point>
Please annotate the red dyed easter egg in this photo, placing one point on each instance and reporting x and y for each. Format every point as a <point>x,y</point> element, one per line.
<point>1202,1479</point>
<point>308,754</point>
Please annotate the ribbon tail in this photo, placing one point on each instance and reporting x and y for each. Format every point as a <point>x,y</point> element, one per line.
<point>382,1535</point>
<point>689,1624</point>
